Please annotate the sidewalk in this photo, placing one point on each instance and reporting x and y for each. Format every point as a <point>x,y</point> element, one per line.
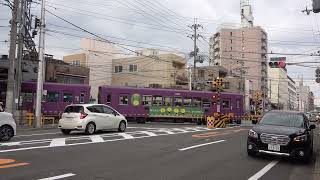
<point>28,128</point>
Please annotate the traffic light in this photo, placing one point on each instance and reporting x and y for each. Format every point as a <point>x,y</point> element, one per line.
<point>316,6</point>
<point>277,64</point>
<point>318,75</point>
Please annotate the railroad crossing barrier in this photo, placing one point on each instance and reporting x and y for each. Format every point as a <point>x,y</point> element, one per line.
<point>216,121</point>
<point>31,118</point>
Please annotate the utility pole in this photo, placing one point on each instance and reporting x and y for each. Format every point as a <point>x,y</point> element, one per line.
<point>243,88</point>
<point>21,34</point>
<point>10,96</point>
<point>190,78</point>
<point>195,36</point>
<point>40,66</point>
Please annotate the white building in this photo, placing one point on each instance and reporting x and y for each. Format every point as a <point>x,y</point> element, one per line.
<point>98,56</point>
<point>303,93</point>
<point>278,88</point>
<point>292,90</point>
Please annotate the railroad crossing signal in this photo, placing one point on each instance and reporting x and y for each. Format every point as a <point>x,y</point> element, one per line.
<point>217,83</point>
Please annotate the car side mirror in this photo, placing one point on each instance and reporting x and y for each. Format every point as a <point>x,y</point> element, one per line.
<point>312,126</point>
<point>115,114</point>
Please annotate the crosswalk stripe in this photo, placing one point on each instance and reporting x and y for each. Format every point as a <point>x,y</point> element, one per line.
<point>96,138</point>
<point>126,136</point>
<point>149,133</point>
<point>58,142</point>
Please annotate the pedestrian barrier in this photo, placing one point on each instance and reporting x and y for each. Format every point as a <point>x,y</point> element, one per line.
<point>210,122</point>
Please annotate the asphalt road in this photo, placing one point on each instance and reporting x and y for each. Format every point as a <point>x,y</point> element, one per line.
<point>144,152</point>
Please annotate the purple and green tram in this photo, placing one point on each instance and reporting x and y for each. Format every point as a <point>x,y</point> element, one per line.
<point>56,96</point>
<point>149,104</point>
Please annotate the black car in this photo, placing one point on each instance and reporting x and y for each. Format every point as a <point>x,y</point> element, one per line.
<point>282,133</point>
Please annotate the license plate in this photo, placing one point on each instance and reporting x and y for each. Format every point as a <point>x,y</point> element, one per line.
<point>273,147</point>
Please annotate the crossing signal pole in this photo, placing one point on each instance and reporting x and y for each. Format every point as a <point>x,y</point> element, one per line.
<point>195,37</point>
<point>40,66</point>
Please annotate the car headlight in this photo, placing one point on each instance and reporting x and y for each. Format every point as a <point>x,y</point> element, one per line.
<point>253,134</point>
<point>301,138</point>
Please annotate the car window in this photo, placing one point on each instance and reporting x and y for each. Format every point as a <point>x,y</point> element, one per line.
<point>283,119</point>
<point>107,110</point>
<point>73,109</point>
<point>95,109</point>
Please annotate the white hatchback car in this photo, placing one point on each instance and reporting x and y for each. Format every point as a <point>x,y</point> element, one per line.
<point>91,118</point>
<point>8,127</point>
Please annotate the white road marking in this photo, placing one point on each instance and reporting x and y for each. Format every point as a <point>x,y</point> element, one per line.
<point>96,138</point>
<point>58,177</point>
<point>199,145</point>
<point>142,128</point>
<point>58,142</point>
<point>263,171</point>
<point>165,131</point>
<point>28,135</point>
<point>149,133</point>
<point>126,136</point>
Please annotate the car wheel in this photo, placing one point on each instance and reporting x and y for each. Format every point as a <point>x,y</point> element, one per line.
<point>6,133</point>
<point>122,126</point>
<point>66,131</point>
<point>90,128</point>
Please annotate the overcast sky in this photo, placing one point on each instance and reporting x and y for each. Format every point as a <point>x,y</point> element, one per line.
<point>163,24</point>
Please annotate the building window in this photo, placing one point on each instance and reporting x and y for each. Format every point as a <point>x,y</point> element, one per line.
<point>146,100</point>
<point>242,55</point>
<point>123,100</point>
<point>230,41</point>
<point>242,48</point>
<point>168,101</point>
<point>226,104</point>
<point>187,102</point>
<point>231,48</point>
<point>133,68</point>
<point>242,11</point>
<point>53,97</point>
<point>230,33</point>
<point>201,73</point>
<point>242,33</point>
<point>226,85</point>
<point>242,40</point>
<point>67,97</point>
<point>157,101</point>
<point>118,69</point>
<point>82,96</point>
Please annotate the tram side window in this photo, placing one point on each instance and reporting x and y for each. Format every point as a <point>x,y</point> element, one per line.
<point>206,103</point>
<point>146,100</point>
<point>178,101</point>
<point>67,97</point>
<point>168,101</point>
<point>187,102</point>
<point>27,97</point>
<point>53,97</point>
<point>123,99</point>
<point>109,99</point>
<point>226,104</point>
<point>157,101</point>
<point>82,95</point>
<point>197,102</point>
<point>238,104</point>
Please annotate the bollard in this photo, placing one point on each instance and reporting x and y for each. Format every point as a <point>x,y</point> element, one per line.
<point>210,122</point>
